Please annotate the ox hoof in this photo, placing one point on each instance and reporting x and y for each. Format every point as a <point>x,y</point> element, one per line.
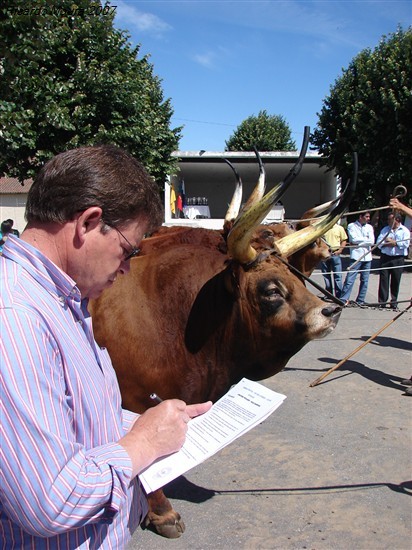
<point>170,526</point>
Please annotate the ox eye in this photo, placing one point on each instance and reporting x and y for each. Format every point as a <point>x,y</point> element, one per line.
<point>273,291</point>
<point>272,298</point>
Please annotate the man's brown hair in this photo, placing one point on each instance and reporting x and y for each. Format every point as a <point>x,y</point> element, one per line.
<point>104,176</point>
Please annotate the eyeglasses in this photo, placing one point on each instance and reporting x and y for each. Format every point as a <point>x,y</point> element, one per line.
<point>128,255</point>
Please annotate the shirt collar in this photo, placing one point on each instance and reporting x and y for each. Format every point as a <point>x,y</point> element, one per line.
<point>43,270</point>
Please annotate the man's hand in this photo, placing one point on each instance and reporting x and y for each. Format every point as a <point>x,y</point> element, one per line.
<point>390,242</point>
<point>160,431</point>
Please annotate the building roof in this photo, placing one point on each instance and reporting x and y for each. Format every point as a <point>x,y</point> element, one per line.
<point>280,156</point>
<point>210,164</point>
<point>12,186</point>
<point>192,163</point>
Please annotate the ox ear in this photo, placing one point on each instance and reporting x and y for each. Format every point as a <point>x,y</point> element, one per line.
<point>211,309</point>
<point>263,237</point>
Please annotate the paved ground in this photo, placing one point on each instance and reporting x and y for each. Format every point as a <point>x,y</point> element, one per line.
<point>330,469</point>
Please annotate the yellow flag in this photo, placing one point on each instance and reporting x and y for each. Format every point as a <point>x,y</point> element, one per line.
<point>172,200</point>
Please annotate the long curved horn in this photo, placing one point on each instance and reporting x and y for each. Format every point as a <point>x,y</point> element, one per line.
<point>260,187</point>
<point>238,240</point>
<point>324,208</point>
<point>234,206</point>
<point>256,195</point>
<point>286,246</point>
<point>317,211</point>
<point>310,215</point>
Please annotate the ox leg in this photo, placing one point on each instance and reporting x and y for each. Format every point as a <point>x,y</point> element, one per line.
<point>161,517</point>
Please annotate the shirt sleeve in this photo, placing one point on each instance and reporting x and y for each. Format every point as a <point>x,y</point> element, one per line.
<point>354,234</point>
<point>382,237</point>
<point>371,236</point>
<point>404,243</point>
<point>129,419</point>
<point>49,482</point>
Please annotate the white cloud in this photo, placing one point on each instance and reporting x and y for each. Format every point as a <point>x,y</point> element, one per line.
<point>321,20</point>
<point>129,17</point>
<point>206,59</point>
<point>210,58</point>
<point>341,23</point>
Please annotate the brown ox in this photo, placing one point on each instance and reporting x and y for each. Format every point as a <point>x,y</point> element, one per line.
<point>199,311</point>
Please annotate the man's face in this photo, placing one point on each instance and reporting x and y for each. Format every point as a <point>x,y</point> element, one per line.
<point>392,222</point>
<point>104,256</point>
<point>364,218</point>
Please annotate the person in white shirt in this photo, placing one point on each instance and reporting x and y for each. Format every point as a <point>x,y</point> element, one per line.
<point>360,234</point>
<point>393,242</point>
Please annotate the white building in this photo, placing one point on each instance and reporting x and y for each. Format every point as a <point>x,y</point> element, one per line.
<point>205,174</point>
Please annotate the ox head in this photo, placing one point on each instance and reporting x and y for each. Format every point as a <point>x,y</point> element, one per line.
<point>274,313</point>
<point>255,317</point>
<point>277,313</point>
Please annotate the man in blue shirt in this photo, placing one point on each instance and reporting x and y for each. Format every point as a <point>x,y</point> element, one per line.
<point>70,454</point>
<point>393,242</point>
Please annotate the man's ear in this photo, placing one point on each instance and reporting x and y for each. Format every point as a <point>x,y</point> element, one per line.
<point>88,220</point>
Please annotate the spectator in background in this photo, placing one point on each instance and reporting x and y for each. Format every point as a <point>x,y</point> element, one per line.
<point>5,231</point>
<point>362,237</point>
<point>336,239</point>
<point>14,231</point>
<point>393,242</point>
<point>396,204</point>
<point>406,210</point>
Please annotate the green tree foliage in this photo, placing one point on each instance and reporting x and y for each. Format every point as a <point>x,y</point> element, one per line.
<point>265,132</point>
<point>69,78</point>
<point>369,110</point>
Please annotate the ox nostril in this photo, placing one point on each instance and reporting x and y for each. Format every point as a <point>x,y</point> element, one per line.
<point>331,310</point>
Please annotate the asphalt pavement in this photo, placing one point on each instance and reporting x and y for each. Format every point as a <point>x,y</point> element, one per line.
<point>331,468</point>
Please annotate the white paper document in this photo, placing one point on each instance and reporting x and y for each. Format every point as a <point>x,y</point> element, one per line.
<point>243,407</point>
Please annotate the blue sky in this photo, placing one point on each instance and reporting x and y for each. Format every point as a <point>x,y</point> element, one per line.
<point>222,61</point>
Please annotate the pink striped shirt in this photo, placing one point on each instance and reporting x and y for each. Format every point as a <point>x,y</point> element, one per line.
<point>64,481</point>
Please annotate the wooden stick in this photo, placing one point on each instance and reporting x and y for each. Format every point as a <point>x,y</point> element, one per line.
<point>324,375</point>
